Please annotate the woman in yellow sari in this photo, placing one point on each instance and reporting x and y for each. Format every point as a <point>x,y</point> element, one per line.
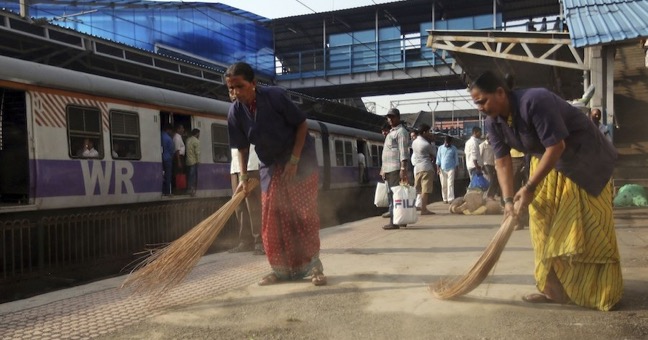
<point>568,194</point>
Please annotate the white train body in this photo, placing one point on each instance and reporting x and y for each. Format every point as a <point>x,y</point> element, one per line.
<point>54,111</point>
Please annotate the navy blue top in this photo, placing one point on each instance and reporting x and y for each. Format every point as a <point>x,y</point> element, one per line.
<point>272,131</point>
<point>168,148</point>
<point>542,119</point>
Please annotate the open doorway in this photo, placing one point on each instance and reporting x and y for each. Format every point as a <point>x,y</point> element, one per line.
<point>14,151</point>
<point>181,125</point>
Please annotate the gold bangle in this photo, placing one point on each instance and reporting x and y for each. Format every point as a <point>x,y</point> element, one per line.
<point>294,160</point>
<point>243,177</point>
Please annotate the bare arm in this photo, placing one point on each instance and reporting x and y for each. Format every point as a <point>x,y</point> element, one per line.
<point>300,138</point>
<point>243,155</point>
<point>548,161</point>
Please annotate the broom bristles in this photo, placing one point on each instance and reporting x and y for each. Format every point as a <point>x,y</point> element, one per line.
<point>168,266</point>
<point>449,288</point>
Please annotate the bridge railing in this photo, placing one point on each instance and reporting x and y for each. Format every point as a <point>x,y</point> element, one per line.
<point>359,57</point>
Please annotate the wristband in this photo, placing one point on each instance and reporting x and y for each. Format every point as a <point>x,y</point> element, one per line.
<point>530,188</point>
<point>243,177</point>
<point>294,160</point>
<point>508,200</point>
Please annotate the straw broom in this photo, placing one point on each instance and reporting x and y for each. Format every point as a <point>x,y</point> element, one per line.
<point>451,288</point>
<point>167,267</point>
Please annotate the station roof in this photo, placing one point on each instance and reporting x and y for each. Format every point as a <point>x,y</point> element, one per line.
<point>148,4</point>
<point>596,22</point>
<point>304,32</point>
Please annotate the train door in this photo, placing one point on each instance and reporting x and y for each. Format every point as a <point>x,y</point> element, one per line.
<point>181,124</point>
<point>14,151</point>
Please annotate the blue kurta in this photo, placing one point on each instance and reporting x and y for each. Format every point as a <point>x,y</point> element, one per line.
<point>272,131</point>
<point>542,119</point>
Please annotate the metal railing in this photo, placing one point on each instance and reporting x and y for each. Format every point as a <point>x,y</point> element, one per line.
<point>46,244</point>
<point>388,54</point>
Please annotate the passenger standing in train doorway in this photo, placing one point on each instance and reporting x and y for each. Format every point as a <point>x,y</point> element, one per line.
<point>248,215</point>
<point>362,168</point>
<point>395,160</point>
<point>193,159</point>
<point>168,150</point>
<point>267,118</point>
<point>179,159</point>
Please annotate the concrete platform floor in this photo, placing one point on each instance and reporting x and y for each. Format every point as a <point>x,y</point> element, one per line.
<point>377,288</point>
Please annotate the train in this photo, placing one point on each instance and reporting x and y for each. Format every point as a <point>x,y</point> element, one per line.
<point>62,209</point>
<point>48,113</point>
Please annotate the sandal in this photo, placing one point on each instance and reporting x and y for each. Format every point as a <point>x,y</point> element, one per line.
<point>537,298</point>
<point>318,279</point>
<point>269,279</point>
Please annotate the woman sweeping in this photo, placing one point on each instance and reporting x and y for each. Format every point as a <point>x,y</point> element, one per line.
<point>267,118</point>
<point>568,194</point>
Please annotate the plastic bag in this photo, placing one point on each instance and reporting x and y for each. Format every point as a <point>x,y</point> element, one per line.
<point>631,195</point>
<point>478,181</point>
<point>404,210</point>
<point>380,198</point>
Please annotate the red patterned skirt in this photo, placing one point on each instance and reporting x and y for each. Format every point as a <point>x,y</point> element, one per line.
<point>291,226</point>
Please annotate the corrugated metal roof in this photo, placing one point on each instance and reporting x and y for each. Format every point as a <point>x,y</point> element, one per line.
<point>596,22</point>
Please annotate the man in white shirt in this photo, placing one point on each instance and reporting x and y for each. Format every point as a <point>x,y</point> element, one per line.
<point>88,150</point>
<point>362,166</point>
<point>248,215</point>
<point>423,153</point>
<point>488,156</point>
<point>473,157</point>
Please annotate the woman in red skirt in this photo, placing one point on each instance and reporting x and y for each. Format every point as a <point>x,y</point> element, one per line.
<point>267,118</point>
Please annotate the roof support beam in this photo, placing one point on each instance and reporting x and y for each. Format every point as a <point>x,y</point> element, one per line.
<point>539,48</point>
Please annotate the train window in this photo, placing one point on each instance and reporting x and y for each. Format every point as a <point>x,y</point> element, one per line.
<point>348,154</point>
<point>125,135</point>
<point>84,132</point>
<point>339,153</point>
<point>343,153</point>
<point>220,144</point>
<point>376,155</point>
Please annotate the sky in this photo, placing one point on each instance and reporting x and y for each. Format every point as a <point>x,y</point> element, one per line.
<point>409,103</point>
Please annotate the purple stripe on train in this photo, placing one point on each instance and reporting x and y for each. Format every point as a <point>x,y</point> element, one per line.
<point>96,177</point>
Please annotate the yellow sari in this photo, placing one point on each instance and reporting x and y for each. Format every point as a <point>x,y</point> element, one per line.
<point>573,233</point>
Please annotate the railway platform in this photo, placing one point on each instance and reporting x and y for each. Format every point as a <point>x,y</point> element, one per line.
<point>377,289</point>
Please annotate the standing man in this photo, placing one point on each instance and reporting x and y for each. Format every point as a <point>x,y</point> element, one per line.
<point>394,160</point>
<point>193,158</point>
<point>248,215</point>
<point>167,158</point>
<point>447,161</point>
<point>473,157</point>
<point>362,166</point>
<point>595,115</point>
<point>422,159</point>
<point>179,153</point>
<point>488,156</point>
